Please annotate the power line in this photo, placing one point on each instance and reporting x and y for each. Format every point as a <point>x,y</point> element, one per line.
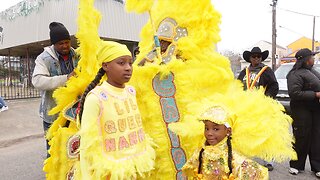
<point>304,14</point>
<point>288,29</point>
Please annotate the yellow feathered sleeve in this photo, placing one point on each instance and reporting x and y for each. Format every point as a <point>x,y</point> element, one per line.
<point>90,137</point>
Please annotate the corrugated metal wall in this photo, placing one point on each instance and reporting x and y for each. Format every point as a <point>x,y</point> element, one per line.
<point>116,23</point>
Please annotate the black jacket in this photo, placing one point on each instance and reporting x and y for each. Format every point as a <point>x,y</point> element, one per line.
<point>267,80</point>
<point>303,84</point>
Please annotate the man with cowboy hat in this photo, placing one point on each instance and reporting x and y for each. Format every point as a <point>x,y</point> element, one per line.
<point>259,74</point>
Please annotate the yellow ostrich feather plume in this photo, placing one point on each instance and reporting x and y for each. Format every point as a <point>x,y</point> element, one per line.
<point>58,165</point>
<point>87,67</point>
<point>199,18</point>
<point>259,126</point>
<point>139,6</point>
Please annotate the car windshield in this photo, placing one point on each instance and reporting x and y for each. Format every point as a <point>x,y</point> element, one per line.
<point>284,69</point>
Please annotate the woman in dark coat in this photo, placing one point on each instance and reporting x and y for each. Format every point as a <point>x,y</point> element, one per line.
<point>304,91</point>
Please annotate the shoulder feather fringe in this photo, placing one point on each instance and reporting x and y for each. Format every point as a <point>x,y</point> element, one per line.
<point>139,6</point>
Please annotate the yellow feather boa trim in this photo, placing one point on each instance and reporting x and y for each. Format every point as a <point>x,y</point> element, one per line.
<point>89,40</point>
<point>58,165</point>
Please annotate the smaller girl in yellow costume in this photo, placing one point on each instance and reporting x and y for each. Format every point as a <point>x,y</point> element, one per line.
<point>216,159</point>
<point>113,143</point>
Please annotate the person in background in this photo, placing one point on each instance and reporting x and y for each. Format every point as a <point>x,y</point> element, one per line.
<point>3,106</point>
<point>258,74</point>
<point>54,66</point>
<point>304,91</point>
<point>136,52</point>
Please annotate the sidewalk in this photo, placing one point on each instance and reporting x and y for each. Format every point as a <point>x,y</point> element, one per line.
<point>20,122</point>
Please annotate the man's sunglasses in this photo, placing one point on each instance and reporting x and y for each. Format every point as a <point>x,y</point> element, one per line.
<point>256,56</point>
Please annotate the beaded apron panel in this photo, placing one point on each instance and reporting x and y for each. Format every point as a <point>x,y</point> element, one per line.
<point>166,90</point>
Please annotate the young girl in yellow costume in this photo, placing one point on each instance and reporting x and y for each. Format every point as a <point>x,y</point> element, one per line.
<point>113,144</point>
<point>216,159</point>
<point>234,133</point>
<point>188,70</point>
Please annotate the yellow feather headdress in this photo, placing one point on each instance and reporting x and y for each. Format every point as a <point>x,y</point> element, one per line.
<point>259,127</point>
<point>199,18</point>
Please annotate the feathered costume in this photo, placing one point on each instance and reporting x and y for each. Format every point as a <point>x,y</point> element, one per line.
<point>217,161</point>
<point>109,149</point>
<point>64,142</point>
<point>255,133</point>
<point>189,71</point>
<point>113,142</point>
<point>193,70</point>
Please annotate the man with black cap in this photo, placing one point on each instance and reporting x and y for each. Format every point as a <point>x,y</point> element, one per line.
<point>54,66</point>
<point>258,74</point>
<point>304,91</point>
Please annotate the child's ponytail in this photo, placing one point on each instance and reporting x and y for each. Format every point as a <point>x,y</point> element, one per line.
<point>92,85</point>
<point>229,154</point>
<point>200,160</point>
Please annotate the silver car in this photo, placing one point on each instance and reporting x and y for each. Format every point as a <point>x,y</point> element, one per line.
<point>281,75</point>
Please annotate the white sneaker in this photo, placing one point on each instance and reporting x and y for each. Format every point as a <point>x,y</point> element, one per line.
<point>4,108</point>
<point>317,174</point>
<point>293,171</point>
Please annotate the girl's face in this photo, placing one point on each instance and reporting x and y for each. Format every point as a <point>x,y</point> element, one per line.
<point>214,133</point>
<point>118,71</point>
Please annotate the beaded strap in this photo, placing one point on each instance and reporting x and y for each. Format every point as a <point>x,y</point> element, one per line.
<point>166,90</point>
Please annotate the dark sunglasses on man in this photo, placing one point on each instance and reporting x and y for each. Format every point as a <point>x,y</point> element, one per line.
<point>256,56</point>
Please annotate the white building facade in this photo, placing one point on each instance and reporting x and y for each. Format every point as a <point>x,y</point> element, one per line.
<point>24,32</point>
<point>26,25</point>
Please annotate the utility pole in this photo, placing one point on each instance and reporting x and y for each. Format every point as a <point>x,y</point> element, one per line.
<point>314,24</point>
<point>274,34</point>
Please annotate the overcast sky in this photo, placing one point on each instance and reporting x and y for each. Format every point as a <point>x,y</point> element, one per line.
<point>245,22</point>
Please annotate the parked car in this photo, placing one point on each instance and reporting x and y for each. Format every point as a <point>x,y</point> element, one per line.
<point>281,75</point>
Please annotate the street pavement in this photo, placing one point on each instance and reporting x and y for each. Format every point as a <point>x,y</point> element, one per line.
<point>22,145</point>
